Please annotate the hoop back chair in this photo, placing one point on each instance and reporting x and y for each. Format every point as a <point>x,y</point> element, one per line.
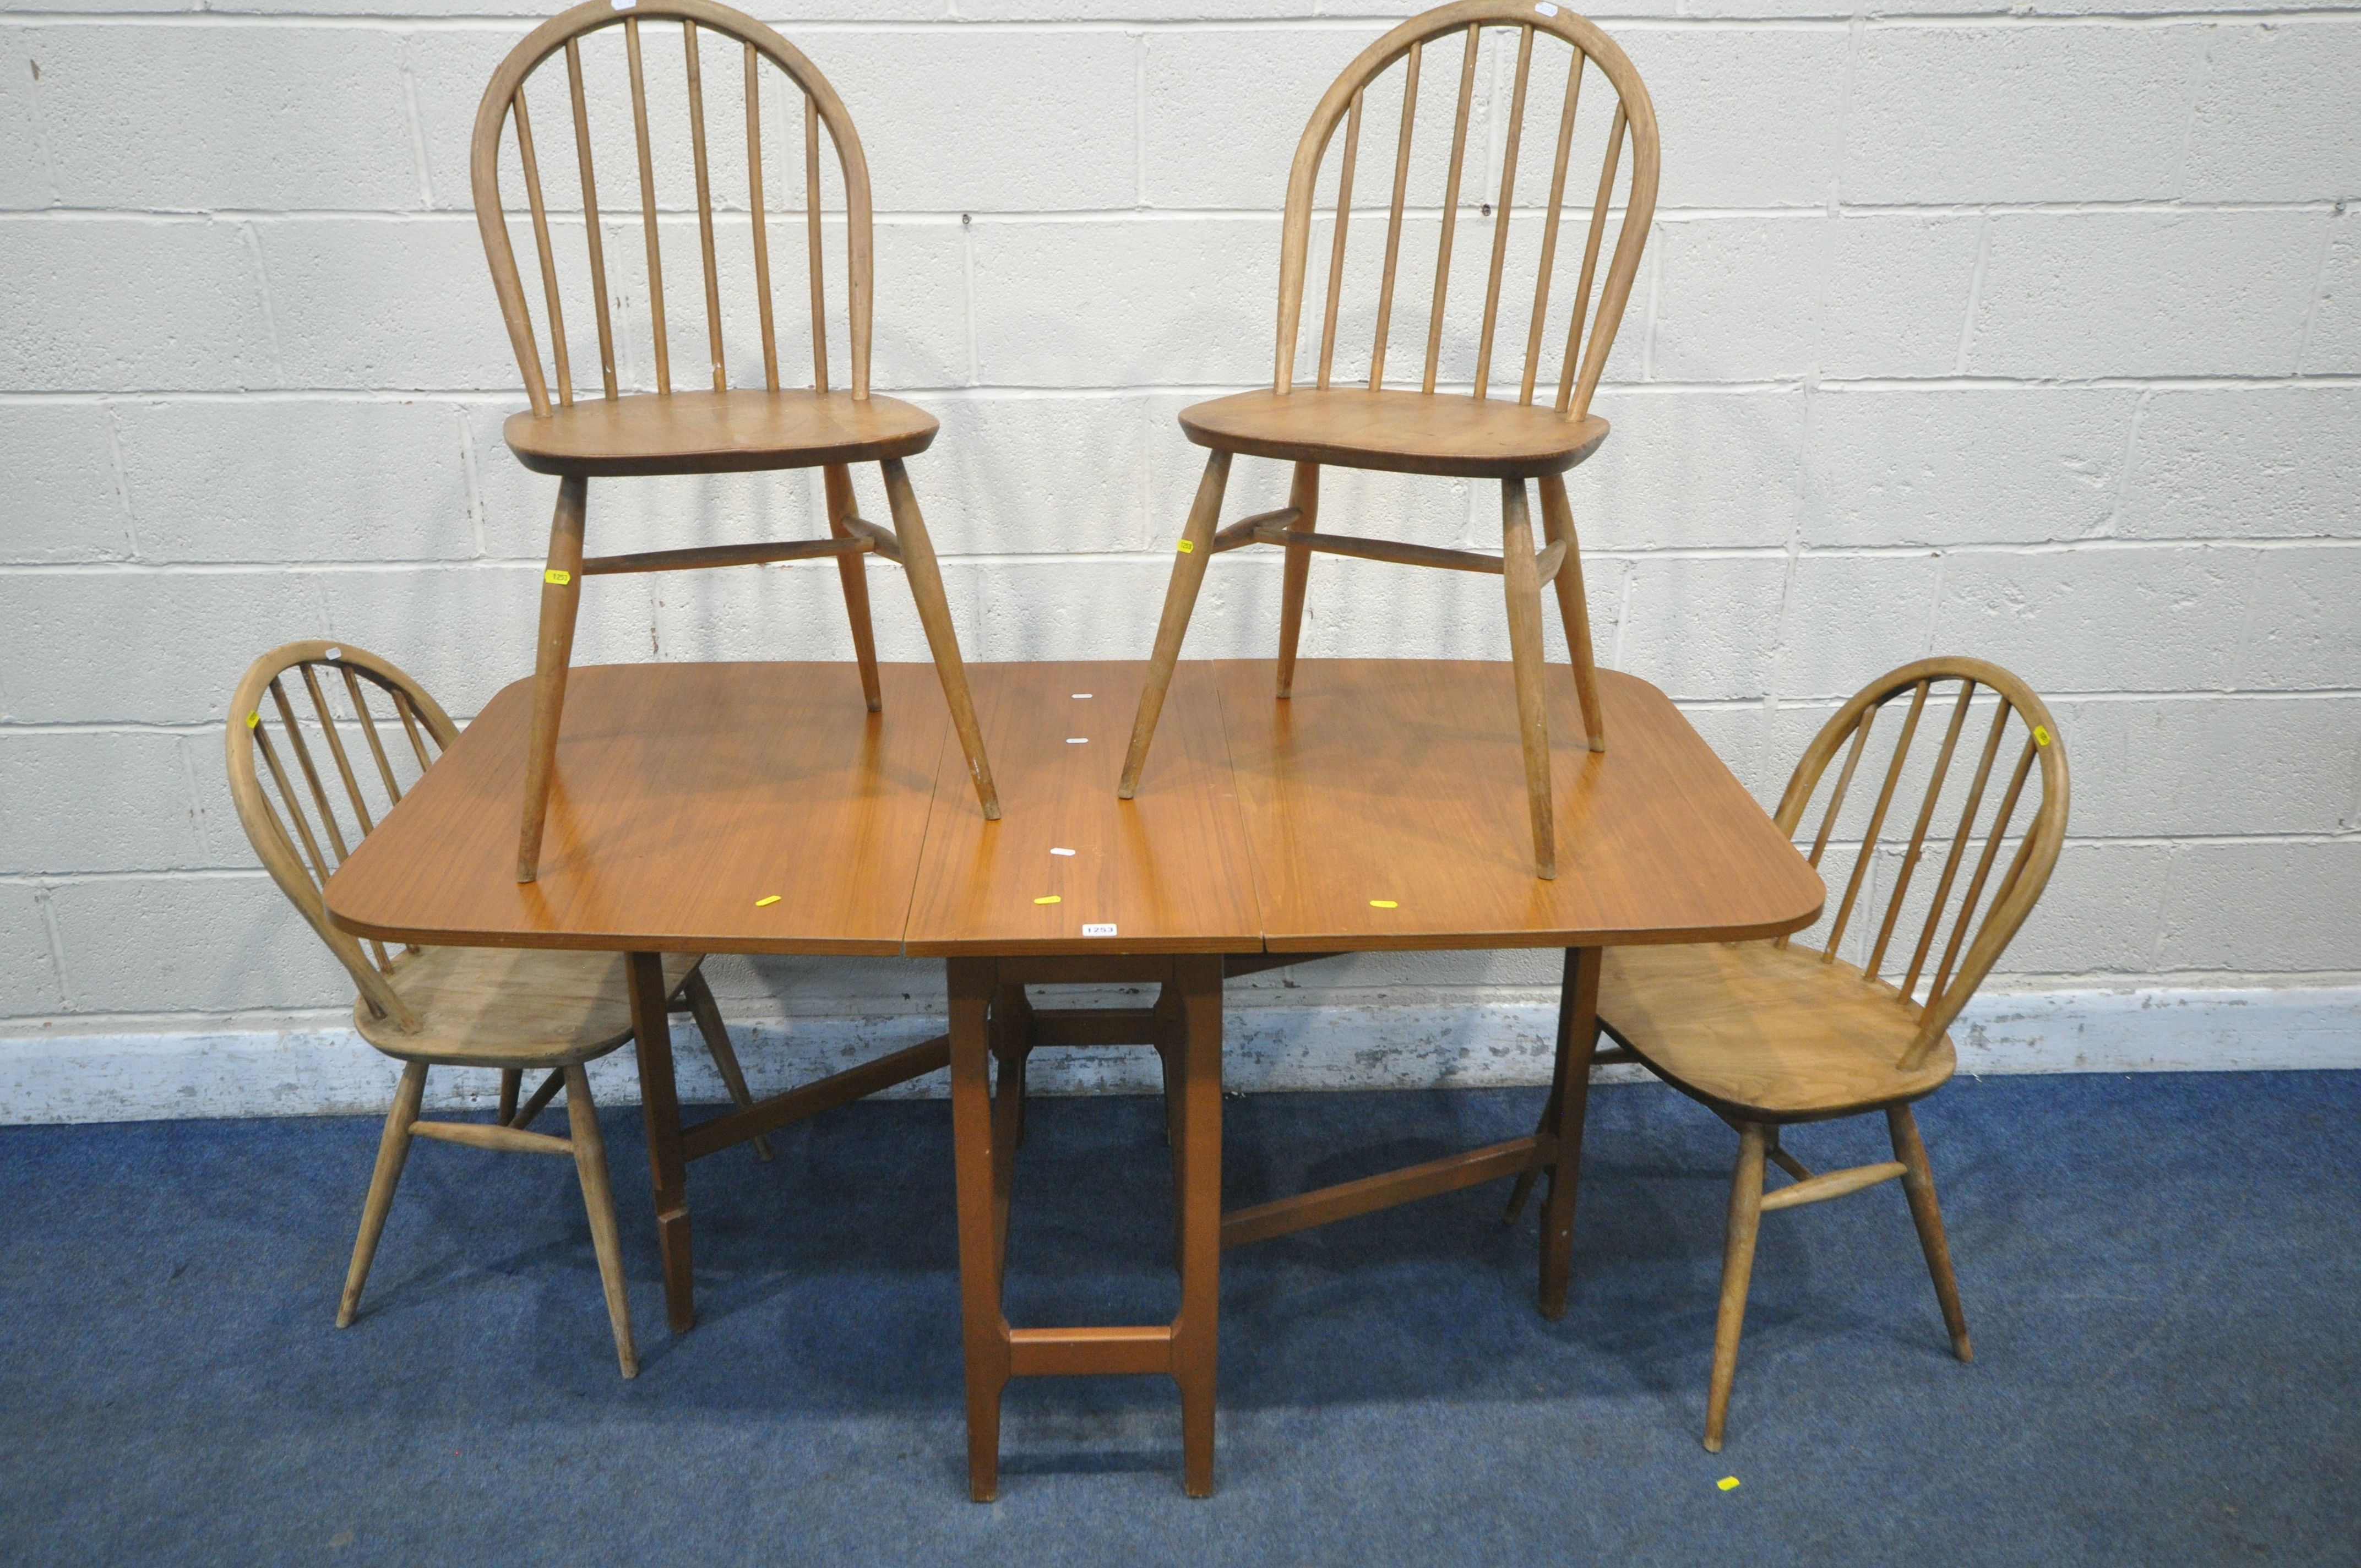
<point>727,429</point>
<point>1768,1034</point>
<point>513,1010</point>
<point>1478,433</point>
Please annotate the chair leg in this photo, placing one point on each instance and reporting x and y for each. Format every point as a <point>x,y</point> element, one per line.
<point>598,1199</point>
<point>1918,1186</point>
<point>512,1080</point>
<point>1524,592</point>
<point>935,614</point>
<point>854,571</point>
<point>1573,606</point>
<point>561,597</point>
<point>707,1013</point>
<point>1304,496</point>
<point>1196,548</point>
<point>392,1149</point>
<point>1737,1268</point>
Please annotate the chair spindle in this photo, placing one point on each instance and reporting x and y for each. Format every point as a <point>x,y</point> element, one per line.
<point>1508,198</point>
<point>541,244</point>
<point>311,773</point>
<point>1919,832</point>
<point>648,205</point>
<point>704,205</point>
<point>336,749</point>
<point>1550,224</point>
<point>1974,895</point>
<point>591,228</point>
<point>1574,357</point>
<point>1336,248</point>
<point>756,204</point>
<point>1451,207</point>
<point>376,742</point>
<point>812,234</point>
<point>1959,851</point>
<point>1394,222</point>
<point>1869,840</point>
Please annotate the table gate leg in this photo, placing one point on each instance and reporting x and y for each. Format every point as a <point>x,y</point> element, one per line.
<point>984,1324</point>
<point>1578,1041</point>
<point>1195,1330</point>
<point>660,1108</point>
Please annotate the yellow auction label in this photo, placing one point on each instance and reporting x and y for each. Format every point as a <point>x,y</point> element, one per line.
<point>556,576</point>
<point>1187,547</point>
<point>253,719</point>
<point>2041,735</point>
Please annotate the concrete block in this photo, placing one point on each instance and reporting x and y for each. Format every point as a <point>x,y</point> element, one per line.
<point>1132,10</point>
<point>1040,475</point>
<point>2060,113</point>
<point>796,611</point>
<point>2144,619</point>
<point>2101,915</point>
<point>1124,302</point>
<point>1000,122</point>
<point>2332,343</point>
<point>214,944</point>
<point>1750,117</point>
<point>1223,109</point>
<point>26,179</point>
<point>1734,298</point>
<point>2123,293</point>
<point>62,497</point>
<point>195,119</point>
<point>465,631</point>
<point>2019,464</point>
<point>269,481</point>
<point>97,801</point>
<point>1847,619</point>
<point>1036,609</point>
<point>2274,121</point>
<point>2165,767</point>
<point>2264,906</point>
<point>28,974</point>
<point>1689,470</point>
<point>1703,628</point>
<point>1894,298</point>
<point>2247,464</point>
<point>2302,631</point>
<point>385,303</point>
<point>87,315</point>
<point>187,637</point>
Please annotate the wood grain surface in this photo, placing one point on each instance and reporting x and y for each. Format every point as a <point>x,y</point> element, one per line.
<point>1399,782</point>
<point>711,432</point>
<point>1167,870</point>
<point>683,794</point>
<point>1411,433</point>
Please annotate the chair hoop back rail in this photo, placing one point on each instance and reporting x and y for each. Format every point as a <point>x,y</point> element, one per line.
<point>1430,430</point>
<point>513,1011</point>
<point>1769,1035</point>
<point>668,431</point>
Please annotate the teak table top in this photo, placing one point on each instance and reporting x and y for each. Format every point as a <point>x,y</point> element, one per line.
<point>1401,783</point>
<point>683,794</point>
<point>688,792</point>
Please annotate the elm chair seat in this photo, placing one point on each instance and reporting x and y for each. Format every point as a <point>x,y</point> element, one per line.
<point>517,1008</point>
<point>1403,432</point>
<point>1777,1032</point>
<point>712,432</point>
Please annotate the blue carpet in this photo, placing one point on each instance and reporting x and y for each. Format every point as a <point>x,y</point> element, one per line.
<point>2161,1274</point>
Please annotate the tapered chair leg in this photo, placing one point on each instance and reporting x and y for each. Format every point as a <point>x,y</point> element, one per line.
<point>1524,594</point>
<point>598,1199</point>
<point>392,1150</point>
<point>935,614</point>
<point>1574,607</point>
<point>1303,495</point>
<point>561,597</point>
<point>1918,1186</point>
<point>854,571</point>
<point>707,1013</point>
<point>1196,548</point>
<point>512,1080</point>
<point>1737,1270</point>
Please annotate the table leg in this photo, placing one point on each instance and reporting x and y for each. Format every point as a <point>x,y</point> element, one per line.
<point>985,1323</point>
<point>1578,1041</point>
<point>1199,1134</point>
<point>660,1107</point>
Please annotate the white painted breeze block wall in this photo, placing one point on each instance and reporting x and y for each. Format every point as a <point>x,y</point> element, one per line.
<point>2014,330</point>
